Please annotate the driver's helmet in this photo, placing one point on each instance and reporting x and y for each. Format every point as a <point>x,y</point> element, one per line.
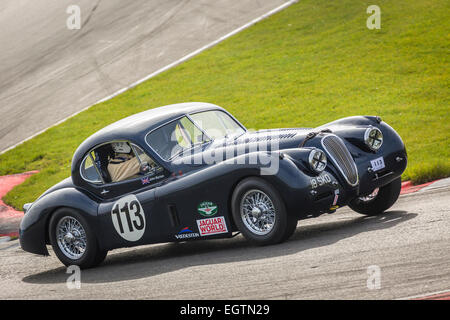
<point>121,147</point>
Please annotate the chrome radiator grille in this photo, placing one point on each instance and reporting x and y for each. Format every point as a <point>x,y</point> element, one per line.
<point>341,158</point>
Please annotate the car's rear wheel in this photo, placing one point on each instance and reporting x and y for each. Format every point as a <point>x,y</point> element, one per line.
<point>73,240</point>
<point>260,213</point>
<point>379,200</point>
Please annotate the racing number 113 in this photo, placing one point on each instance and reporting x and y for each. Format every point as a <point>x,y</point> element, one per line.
<point>134,208</point>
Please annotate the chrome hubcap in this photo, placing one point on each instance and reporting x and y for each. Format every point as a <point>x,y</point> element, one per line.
<point>71,237</point>
<point>257,212</point>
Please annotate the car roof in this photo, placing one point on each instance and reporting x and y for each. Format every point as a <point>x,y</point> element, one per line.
<point>135,127</point>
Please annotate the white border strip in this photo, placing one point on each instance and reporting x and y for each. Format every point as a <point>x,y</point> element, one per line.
<point>173,64</point>
<point>425,295</point>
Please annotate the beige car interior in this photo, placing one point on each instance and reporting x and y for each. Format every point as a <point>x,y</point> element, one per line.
<point>127,166</point>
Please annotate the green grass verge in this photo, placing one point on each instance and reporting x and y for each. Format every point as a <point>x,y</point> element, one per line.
<point>309,64</point>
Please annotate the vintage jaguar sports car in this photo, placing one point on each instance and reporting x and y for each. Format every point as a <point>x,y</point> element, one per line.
<point>191,171</point>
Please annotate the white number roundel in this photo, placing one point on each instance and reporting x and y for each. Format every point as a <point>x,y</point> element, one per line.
<point>128,218</point>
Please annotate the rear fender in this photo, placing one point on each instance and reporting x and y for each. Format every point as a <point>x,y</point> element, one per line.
<point>34,225</point>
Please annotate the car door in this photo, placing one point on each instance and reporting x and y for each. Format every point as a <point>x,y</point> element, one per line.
<point>128,212</point>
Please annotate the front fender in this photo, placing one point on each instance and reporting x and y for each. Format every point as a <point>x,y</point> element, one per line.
<point>33,231</point>
<point>306,193</point>
<point>393,151</point>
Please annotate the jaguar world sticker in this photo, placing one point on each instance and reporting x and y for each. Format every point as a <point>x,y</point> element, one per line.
<point>207,208</point>
<point>212,226</point>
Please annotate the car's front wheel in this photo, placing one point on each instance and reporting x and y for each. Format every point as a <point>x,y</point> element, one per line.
<point>379,200</point>
<point>73,240</point>
<point>260,213</point>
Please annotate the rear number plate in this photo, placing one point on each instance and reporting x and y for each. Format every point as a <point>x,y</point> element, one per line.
<point>377,164</point>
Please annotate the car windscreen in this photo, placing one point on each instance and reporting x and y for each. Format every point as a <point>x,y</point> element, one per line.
<point>174,137</point>
<point>217,124</point>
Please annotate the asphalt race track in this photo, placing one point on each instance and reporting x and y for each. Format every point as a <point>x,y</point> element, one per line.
<point>327,258</point>
<point>48,72</point>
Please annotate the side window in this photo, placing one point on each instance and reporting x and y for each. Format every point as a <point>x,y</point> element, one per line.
<point>89,171</point>
<point>118,161</point>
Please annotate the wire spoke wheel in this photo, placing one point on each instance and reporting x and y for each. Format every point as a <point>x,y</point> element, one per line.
<point>257,212</point>
<point>71,237</point>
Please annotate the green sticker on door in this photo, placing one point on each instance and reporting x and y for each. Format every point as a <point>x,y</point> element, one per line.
<point>207,208</point>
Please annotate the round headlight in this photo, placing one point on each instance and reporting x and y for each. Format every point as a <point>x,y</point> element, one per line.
<point>373,138</point>
<point>317,160</point>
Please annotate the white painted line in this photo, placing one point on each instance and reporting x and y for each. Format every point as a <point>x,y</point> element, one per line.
<point>442,183</point>
<point>173,64</point>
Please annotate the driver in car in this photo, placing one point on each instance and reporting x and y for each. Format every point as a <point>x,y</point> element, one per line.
<point>124,165</point>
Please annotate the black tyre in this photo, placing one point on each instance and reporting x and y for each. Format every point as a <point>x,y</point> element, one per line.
<point>73,240</point>
<point>260,213</point>
<point>379,201</point>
